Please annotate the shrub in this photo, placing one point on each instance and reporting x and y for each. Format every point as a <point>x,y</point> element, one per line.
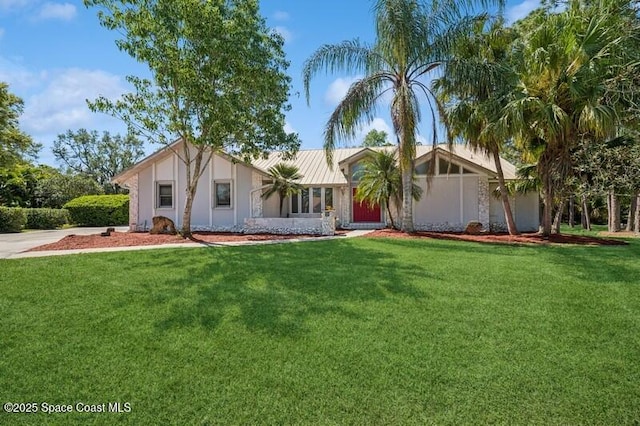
<point>12,219</point>
<point>46,218</point>
<point>99,210</point>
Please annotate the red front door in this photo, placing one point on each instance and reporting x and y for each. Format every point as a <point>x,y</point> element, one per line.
<point>364,212</point>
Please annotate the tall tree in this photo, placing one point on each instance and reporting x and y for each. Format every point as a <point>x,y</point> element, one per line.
<point>567,63</point>
<point>285,177</point>
<point>376,138</point>
<point>15,145</point>
<point>101,157</point>
<point>474,86</point>
<point>219,81</point>
<point>413,39</point>
<point>380,181</point>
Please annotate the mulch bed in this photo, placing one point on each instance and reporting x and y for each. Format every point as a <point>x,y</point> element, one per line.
<point>528,238</point>
<point>128,239</point>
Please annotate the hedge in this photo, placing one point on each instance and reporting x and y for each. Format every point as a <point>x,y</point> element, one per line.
<point>46,218</point>
<point>12,219</point>
<point>99,210</point>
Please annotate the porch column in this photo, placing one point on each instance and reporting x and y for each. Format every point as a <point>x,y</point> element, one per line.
<point>132,184</point>
<point>483,202</point>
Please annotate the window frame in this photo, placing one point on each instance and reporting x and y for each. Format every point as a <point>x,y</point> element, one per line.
<point>217,182</point>
<point>158,203</point>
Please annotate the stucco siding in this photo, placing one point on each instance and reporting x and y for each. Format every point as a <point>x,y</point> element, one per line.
<point>527,211</point>
<point>146,196</point>
<point>242,184</point>
<point>440,203</point>
<point>271,206</point>
<point>470,203</point>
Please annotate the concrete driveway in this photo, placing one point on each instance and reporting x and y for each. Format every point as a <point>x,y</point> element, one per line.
<point>12,244</point>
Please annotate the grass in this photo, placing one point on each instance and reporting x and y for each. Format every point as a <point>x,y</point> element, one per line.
<point>334,332</point>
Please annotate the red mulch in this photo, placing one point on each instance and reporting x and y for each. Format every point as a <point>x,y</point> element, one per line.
<point>529,238</point>
<point>128,239</point>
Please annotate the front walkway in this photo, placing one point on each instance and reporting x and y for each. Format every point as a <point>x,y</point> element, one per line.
<point>23,254</point>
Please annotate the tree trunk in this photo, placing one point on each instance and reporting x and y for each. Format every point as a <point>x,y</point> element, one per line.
<point>632,213</point>
<point>506,206</point>
<point>614,211</point>
<point>193,177</point>
<point>548,205</point>
<point>636,225</point>
<point>572,207</point>
<point>281,203</point>
<point>557,221</point>
<point>393,225</point>
<point>407,199</point>
<point>586,218</point>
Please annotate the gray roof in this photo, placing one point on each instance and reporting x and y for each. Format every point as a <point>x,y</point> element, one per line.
<point>315,171</point>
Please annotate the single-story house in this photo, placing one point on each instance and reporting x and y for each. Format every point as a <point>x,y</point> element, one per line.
<point>229,195</point>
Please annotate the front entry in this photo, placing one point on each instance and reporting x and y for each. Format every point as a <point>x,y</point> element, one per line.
<point>364,212</point>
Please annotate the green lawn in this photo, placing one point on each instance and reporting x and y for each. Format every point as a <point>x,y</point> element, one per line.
<point>336,332</point>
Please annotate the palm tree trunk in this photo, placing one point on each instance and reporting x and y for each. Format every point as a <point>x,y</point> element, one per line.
<point>636,224</point>
<point>281,203</point>
<point>407,199</point>
<point>632,212</point>
<point>586,218</point>
<point>557,221</point>
<point>614,211</point>
<point>506,206</point>
<point>393,225</point>
<point>572,207</point>
<point>548,205</point>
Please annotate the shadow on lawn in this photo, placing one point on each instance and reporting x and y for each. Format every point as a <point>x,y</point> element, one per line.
<point>275,289</point>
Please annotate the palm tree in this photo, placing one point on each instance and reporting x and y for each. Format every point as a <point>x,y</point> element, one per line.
<point>565,66</point>
<point>413,39</point>
<point>380,181</point>
<point>284,182</point>
<point>474,86</point>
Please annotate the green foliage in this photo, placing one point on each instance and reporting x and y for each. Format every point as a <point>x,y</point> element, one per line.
<point>99,210</point>
<point>58,189</point>
<point>367,332</point>
<point>380,181</point>
<point>413,40</point>
<point>376,138</point>
<point>218,79</point>
<point>15,146</point>
<point>101,157</point>
<point>19,184</point>
<point>284,184</point>
<point>12,219</point>
<point>46,218</point>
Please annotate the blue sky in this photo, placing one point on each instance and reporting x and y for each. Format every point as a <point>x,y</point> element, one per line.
<point>55,55</point>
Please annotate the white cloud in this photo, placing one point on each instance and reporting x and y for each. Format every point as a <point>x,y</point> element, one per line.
<point>62,104</point>
<point>380,125</point>
<point>280,15</point>
<point>13,4</point>
<point>338,89</point>
<point>288,128</point>
<point>521,10</point>
<point>286,34</point>
<point>62,11</point>
<point>16,75</point>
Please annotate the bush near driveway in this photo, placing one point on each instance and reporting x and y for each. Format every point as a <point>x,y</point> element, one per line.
<point>46,218</point>
<point>12,219</point>
<point>99,210</point>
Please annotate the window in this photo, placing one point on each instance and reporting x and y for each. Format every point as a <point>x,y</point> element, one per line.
<point>356,171</point>
<point>422,168</point>
<point>448,168</point>
<point>222,194</point>
<point>305,201</point>
<point>312,200</point>
<point>164,195</point>
<point>317,200</point>
<point>295,204</point>
<point>328,198</point>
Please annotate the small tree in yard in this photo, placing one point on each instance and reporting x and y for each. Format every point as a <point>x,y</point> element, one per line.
<point>284,182</point>
<point>218,80</point>
<point>380,181</point>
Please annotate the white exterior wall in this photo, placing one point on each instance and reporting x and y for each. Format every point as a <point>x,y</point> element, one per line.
<point>525,208</point>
